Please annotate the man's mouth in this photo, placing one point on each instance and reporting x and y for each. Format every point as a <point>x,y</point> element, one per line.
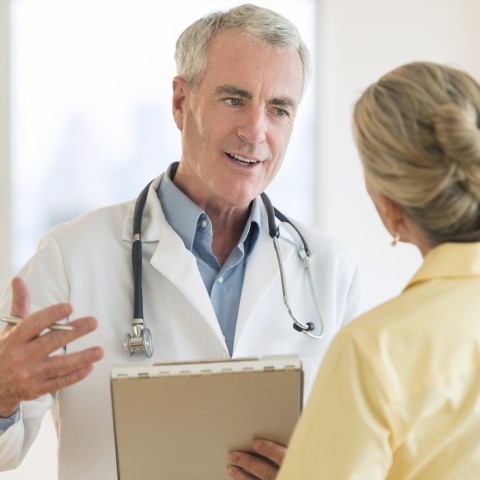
<point>242,160</point>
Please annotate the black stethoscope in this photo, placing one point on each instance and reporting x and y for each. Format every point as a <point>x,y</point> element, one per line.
<point>141,340</point>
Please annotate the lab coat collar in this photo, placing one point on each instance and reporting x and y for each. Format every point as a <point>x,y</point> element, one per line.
<point>153,220</point>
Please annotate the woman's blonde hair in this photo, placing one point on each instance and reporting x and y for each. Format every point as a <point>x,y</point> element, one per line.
<point>418,134</point>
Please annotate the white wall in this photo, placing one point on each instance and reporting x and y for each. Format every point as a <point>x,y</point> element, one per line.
<point>358,41</point>
<point>4,142</point>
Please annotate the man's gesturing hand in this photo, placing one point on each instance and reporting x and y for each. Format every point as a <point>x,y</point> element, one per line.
<point>27,368</point>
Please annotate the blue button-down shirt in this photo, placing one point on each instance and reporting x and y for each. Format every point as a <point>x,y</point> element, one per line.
<point>223,283</point>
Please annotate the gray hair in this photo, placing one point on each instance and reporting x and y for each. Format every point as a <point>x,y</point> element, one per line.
<point>418,134</point>
<point>257,23</point>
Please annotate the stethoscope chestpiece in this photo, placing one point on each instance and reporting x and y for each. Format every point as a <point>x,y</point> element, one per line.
<point>140,341</point>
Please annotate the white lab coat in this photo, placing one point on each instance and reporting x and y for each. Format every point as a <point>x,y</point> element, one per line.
<point>87,262</point>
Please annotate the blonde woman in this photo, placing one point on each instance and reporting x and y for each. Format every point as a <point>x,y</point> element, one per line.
<point>398,394</point>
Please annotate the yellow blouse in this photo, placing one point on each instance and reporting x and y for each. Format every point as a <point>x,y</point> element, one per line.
<point>398,393</point>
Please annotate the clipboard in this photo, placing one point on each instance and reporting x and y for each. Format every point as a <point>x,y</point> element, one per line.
<point>179,421</point>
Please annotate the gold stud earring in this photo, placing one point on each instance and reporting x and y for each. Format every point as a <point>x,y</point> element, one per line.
<point>395,239</point>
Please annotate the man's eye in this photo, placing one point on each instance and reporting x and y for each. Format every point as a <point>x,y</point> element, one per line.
<point>280,112</point>
<point>234,102</point>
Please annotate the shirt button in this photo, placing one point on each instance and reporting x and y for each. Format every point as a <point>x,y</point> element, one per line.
<point>220,280</point>
<point>203,224</point>
<point>222,355</point>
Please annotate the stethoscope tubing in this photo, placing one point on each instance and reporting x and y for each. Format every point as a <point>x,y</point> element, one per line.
<point>142,339</point>
<point>304,252</point>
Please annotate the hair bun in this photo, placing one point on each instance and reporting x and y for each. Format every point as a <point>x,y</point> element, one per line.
<point>458,133</point>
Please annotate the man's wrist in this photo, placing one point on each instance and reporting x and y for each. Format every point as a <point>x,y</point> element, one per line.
<point>7,422</point>
<point>8,412</point>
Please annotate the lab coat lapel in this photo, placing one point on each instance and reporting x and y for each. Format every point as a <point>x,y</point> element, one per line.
<point>172,259</point>
<point>180,267</point>
<point>262,271</point>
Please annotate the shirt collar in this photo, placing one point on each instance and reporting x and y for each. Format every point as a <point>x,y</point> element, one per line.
<point>252,229</point>
<point>449,260</point>
<point>183,215</point>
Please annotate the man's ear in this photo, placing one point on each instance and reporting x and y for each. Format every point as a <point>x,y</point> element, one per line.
<point>178,100</point>
<point>393,214</point>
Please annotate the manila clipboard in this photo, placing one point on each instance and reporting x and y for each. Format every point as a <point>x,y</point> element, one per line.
<point>179,421</point>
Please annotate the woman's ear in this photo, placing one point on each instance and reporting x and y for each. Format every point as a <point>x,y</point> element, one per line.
<point>392,213</point>
<point>178,100</point>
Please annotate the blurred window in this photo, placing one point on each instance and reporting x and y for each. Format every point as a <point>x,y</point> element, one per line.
<point>91,107</point>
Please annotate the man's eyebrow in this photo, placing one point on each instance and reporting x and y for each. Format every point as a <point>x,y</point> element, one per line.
<point>283,102</point>
<point>232,90</point>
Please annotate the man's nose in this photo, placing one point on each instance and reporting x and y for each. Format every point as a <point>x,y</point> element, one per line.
<point>253,125</point>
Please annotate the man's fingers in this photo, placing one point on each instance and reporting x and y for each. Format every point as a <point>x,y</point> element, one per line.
<point>273,451</point>
<point>56,384</point>
<point>33,325</point>
<point>237,473</point>
<point>20,298</point>
<point>70,379</point>
<point>65,370</point>
<point>244,465</point>
<point>53,340</point>
<point>62,371</point>
<point>264,466</point>
<point>64,365</point>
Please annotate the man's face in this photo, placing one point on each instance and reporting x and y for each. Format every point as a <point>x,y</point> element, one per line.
<point>236,125</point>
